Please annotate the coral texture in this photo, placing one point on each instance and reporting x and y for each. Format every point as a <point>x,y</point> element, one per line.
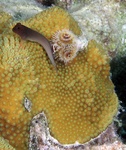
<point>4,21</point>
<point>78,99</point>
<point>4,145</point>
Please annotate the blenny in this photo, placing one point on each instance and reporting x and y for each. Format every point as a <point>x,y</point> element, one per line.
<point>29,34</point>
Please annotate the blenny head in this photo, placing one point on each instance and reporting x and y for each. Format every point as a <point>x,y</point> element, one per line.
<point>20,30</point>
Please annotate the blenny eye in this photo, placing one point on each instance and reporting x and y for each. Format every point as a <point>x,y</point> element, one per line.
<point>18,28</point>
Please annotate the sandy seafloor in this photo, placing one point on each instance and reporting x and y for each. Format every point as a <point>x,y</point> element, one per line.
<point>94,17</point>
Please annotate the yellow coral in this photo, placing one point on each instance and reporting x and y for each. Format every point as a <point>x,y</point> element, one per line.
<point>4,145</point>
<point>5,20</point>
<point>78,99</point>
<point>52,20</point>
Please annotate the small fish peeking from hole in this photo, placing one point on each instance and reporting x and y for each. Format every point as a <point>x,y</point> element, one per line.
<point>31,35</point>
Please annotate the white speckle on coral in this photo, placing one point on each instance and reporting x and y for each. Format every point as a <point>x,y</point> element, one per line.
<point>27,104</point>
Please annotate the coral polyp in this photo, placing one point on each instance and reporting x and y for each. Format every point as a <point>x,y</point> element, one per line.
<point>65,45</point>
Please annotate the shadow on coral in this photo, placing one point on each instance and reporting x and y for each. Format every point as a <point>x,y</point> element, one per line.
<point>118,70</point>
